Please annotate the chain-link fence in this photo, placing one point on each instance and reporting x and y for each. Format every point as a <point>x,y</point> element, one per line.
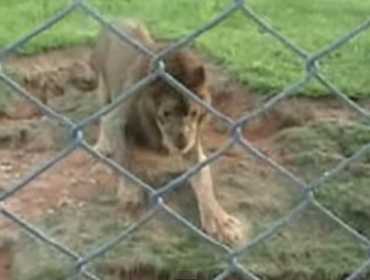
<point>311,64</point>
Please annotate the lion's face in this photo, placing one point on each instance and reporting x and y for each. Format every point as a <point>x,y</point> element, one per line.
<point>178,121</point>
<point>177,116</point>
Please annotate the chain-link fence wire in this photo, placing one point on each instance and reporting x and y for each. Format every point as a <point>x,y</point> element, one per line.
<point>311,64</point>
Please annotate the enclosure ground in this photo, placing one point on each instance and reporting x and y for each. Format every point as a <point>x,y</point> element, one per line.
<point>5,262</point>
<point>306,136</point>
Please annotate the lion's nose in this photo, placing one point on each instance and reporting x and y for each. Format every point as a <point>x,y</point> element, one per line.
<point>181,141</point>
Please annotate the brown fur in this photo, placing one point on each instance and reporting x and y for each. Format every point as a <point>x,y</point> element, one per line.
<point>157,118</point>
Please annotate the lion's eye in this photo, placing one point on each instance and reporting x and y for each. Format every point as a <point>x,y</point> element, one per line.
<point>193,113</point>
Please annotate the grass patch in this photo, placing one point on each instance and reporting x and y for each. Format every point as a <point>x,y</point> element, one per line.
<point>311,247</point>
<point>253,56</point>
<point>84,233</point>
<point>320,146</point>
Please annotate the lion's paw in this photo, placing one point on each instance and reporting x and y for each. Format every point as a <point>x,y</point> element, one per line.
<point>223,227</point>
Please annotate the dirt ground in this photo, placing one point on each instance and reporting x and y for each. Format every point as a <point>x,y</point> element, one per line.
<point>72,181</point>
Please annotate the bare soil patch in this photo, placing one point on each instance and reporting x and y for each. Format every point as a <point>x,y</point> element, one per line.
<point>5,263</point>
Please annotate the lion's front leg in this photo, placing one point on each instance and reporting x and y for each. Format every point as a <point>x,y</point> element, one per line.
<point>103,144</point>
<point>106,133</point>
<point>214,218</point>
<point>129,195</point>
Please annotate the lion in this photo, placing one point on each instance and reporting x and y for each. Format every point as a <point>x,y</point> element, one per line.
<point>158,117</point>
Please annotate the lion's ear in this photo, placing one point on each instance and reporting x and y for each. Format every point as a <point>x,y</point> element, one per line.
<point>197,76</point>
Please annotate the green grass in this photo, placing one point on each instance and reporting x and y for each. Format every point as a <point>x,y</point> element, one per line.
<point>310,247</point>
<point>253,56</point>
<point>319,147</point>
